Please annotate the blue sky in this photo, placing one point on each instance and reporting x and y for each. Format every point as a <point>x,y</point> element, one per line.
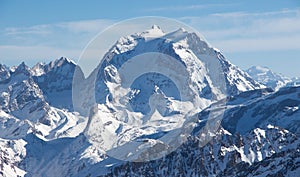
<point>249,33</point>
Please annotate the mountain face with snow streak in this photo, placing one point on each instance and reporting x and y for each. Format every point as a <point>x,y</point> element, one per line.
<point>55,80</point>
<point>41,136</point>
<point>4,73</point>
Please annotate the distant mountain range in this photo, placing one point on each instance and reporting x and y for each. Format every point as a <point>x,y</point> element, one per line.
<point>42,133</point>
<point>265,76</point>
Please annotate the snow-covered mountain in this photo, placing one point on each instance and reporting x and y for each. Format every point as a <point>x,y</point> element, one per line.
<point>206,77</point>
<point>213,76</point>
<point>189,49</point>
<point>41,136</point>
<point>267,77</point>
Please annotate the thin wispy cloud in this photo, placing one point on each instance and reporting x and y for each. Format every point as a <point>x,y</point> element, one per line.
<point>185,8</point>
<point>260,14</point>
<point>260,44</point>
<point>259,27</point>
<point>85,26</point>
<point>230,32</point>
<point>61,35</point>
<point>47,41</point>
<point>244,31</point>
<point>34,54</point>
<point>38,29</point>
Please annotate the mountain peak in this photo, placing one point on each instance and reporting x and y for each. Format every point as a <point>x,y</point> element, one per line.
<point>177,35</point>
<point>154,32</point>
<point>182,29</point>
<point>4,72</point>
<point>3,67</point>
<point>155,27</point>
<point>38,69</point>
<point>60,61</point>
<point>22,68</point>
<point>260,69</point>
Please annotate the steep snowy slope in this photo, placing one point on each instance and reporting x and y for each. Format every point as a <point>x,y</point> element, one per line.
<point>267,77</point>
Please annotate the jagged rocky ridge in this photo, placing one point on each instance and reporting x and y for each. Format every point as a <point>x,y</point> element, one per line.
<point>23,101</point>
<point>40,136</point>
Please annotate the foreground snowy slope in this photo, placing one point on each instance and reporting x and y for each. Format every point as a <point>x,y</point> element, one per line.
<point>257,152</point>
<point>268,150</point>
